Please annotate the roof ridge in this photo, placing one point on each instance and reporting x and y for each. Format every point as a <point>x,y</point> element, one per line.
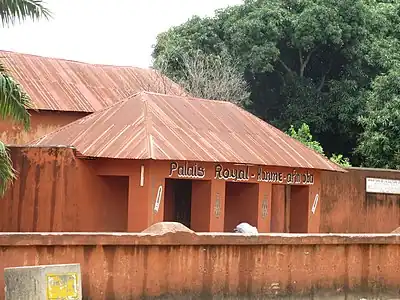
<point>72,60</point>
<point>148,126</point>
<point>189,97</point>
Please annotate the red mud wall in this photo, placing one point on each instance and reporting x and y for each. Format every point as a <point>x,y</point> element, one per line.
<point>129,266</point>
<point>42,122</point>
<point>57,192</point>
<point>347,208</point>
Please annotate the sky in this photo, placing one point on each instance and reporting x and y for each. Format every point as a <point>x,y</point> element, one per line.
<point>94,31</point>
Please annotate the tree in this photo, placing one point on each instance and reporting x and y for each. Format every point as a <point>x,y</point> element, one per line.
<point>210,77</point>
<point>380,141</point>
<point>303,135</point>
<point>379,144</point>
<point>308,61</point>
<point>14,102</point>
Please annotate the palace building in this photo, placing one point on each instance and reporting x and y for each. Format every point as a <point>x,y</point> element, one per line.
<point>109,151</point>
<point>154,157</point>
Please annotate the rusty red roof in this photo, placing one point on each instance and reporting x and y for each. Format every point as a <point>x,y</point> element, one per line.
<point>166,127</point>
<point>64,85</point>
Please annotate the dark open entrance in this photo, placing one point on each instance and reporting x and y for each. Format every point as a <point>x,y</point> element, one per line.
<point>241,204</point>
<point>289,208</point>
<point>178,201</point>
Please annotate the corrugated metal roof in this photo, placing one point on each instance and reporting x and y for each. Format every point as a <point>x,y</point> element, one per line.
<point>63,85</point>
<point>166,127</point>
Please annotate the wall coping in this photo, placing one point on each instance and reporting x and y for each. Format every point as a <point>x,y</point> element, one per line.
<point>372,169</point>
<point>185,238</point>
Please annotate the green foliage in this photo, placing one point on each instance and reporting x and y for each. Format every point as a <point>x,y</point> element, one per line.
<point>309,61</point>
<point>380,141</point>
<point>14,102</point>
<point>340,160</point>
<point>303,135</point>
<point>20,10</point>
<point>7,172</point>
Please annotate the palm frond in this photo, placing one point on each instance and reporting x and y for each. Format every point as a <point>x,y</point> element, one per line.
<point>14,102</point>
<point>12,11</point>
<point>7,172</point>
<point>3,68</point>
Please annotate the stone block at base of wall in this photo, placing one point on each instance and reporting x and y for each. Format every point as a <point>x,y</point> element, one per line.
<point>43,282</point>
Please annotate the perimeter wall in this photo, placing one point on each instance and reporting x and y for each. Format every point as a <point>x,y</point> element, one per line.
<point>132,266</point>
<point>347,208</point>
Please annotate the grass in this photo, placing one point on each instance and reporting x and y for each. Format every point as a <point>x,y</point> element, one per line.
<point>16,136</point>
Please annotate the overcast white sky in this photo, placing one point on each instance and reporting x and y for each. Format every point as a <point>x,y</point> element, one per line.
<point>118,32</point>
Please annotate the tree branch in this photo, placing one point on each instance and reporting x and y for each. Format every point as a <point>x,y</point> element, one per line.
<point>282,77</point>
<point>303,63</point>
<point>301,57</point>
<point>212,77</point>
<point>285,66</point>
<point>322,83</point>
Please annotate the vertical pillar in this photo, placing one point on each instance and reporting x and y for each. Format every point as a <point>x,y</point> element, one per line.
<point>314,214</point>
<point>217,206</point>
<point>137,202</point>
<point>288,201</point>
<point>156,192</point>
<point>201,206</point>
<point>264,207</point>
<point>145,197</point>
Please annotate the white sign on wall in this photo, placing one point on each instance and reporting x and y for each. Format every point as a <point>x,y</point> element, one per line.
<point>382,186</point>
<point>314,206</point>
<point>158,199</point>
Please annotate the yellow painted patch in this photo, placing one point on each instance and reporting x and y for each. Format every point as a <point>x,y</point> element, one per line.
<point>62,286</point>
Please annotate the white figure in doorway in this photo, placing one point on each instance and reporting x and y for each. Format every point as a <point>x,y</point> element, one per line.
<point>246,228</point>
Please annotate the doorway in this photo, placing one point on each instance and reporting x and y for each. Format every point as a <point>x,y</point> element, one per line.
<point>178,201</point>
<point>241,204</point>
<point>289,208</point>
